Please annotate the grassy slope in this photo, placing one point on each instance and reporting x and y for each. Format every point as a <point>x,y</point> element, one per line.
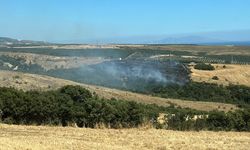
<point>40,137</point>
<point>232,74</point>
<point>38,82</point>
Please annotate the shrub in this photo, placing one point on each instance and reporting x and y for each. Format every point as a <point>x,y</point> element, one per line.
<point>203,66</point>
<point>215,78</point>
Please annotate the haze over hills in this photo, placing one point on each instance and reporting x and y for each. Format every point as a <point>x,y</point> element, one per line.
<point>241,37</point>
<point>11,41</point>
<point>188,40</point>
<point>185,39</point>
<point>159,40</point>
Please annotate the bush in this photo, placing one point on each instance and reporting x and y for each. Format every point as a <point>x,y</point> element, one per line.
<point>215,78</point>
<point>203,66</point>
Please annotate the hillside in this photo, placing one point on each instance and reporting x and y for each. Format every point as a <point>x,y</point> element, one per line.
<point>26,82</point>
<point>231,74</point>
<point>196,49</point>
<point>41,137</point>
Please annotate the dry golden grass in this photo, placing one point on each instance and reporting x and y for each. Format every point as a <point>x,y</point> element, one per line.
<point>27,81</point>
<point>232,74</point>
<point>60,138</point>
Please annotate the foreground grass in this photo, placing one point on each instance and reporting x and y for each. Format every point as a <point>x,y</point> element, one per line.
<point>41,137</point>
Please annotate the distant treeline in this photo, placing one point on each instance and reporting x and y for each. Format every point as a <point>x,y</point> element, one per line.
<point>236,94</point>
<point>76,105</point>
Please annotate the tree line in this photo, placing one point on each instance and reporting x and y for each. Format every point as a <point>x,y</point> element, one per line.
<point>77,105</point>
<point>236,94</point>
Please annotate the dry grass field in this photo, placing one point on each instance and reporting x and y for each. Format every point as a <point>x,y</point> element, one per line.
<point>195,49</point>
<point>27,81</point>
<point>232,74</point>
<point>14,137</point>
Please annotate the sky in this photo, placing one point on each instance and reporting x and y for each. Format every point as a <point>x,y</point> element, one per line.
<point>84,20</point>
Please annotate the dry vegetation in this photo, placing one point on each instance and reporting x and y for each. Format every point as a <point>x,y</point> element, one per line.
<point>26,81</point>
<point>48,62</point>
<point>231,74</point>
<point>195,49</point>
<point>41,137</point>
<point>210,50</point>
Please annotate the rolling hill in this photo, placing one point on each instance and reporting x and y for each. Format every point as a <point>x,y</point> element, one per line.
<point>27,81</point>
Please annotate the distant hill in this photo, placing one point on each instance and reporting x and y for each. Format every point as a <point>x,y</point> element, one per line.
<point>197,40</point>
<point>187,40</point>
<point>235,43</point>
<point>5,41</point>
<point>192,39</point>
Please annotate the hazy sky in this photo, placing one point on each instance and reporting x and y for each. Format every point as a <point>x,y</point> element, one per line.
<point>79,20</point>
